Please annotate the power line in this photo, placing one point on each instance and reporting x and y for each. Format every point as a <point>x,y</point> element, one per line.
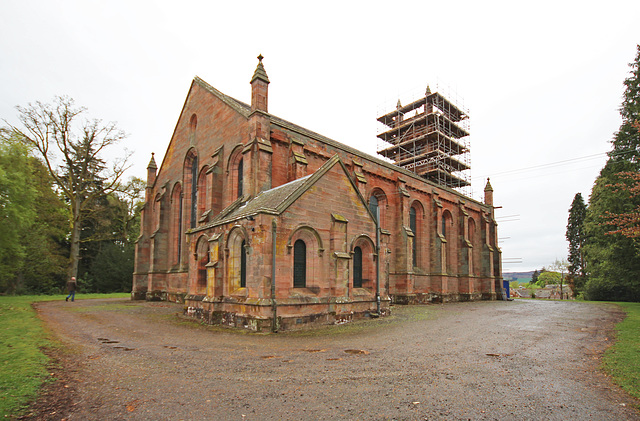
<point>547,165</point>
<point>557,163</point>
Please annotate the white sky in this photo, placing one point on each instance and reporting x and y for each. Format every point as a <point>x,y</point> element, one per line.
<point>542,80</point>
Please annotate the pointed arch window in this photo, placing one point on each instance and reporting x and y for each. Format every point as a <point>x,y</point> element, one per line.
<point>175,225</point>
<point>444,225</point>
<point>363,269</point>
<point>473,266</point>
<point>374,208</point>
<point>190,188</point>
<point>202,257</point>
<point>194,192</point>
<point>240,177</point>
<point>357,267</point>
<point>243,265</point>
<point>414,228</point>
<point>179,230</point>
<point>378,206</point>
<point>299,264</point>
<point>203,195</point>
<point>449,248</point>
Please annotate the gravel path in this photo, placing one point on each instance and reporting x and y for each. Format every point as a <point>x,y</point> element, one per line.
<point>517,360</point>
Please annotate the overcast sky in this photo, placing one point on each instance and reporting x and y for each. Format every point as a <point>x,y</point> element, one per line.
<point>542,81</point>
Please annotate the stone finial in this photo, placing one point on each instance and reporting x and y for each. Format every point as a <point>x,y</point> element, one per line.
<point>488,193</point>
<point>260,73</point>
<point>428,90</point>
<point>398,105</point>
<point>151,171</point>
<point>488,186</point>
<point>152,163</point>
<point>260,88</point>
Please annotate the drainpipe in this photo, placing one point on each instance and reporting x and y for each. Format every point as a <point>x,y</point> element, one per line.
<point>378,265</point>
<point>274,313</point>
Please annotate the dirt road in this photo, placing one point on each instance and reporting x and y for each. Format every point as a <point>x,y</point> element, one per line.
<point>481,361</point>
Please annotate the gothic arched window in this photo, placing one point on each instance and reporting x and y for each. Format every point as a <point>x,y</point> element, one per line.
<point>373,207</point>
<point>240,177</point>
<point>414,228</point>
<point>243,266</point>
<point>357,267</point>
<point>299,264</point>
<point>194,192</point>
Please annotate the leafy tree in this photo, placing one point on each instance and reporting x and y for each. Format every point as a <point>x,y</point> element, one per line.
<point>46,247</point>
<point>613,260</point>
<point>561,266</point>
<point>612,255</point>
<point>576,237</point>
<point>107,263</point>
<point>36,259</point>
<point>17,196</point>
<point>53,131</point>
<point>626,224</point>
<point>548,278</point>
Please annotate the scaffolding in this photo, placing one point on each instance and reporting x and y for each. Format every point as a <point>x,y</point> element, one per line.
<point>429,137</point>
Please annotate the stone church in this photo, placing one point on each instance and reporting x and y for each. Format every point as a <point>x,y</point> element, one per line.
<point>255,222</point>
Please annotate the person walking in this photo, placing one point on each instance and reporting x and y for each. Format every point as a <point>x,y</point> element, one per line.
<point>71,287</point>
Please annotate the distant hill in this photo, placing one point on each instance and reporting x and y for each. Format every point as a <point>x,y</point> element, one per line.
<point>517,276</point>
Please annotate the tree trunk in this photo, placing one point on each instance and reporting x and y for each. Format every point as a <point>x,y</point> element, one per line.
<point>74,255</point>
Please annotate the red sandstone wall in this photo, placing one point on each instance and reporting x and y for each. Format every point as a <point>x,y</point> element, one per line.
<point>450,267</point>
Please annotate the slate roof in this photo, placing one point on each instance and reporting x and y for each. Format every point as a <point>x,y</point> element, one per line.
<point>276,200</point>
<point>269,201</point>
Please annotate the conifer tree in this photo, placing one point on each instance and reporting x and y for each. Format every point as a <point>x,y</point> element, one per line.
<point>613,259</point>
<point>576,238</point>
<point>534,277</point>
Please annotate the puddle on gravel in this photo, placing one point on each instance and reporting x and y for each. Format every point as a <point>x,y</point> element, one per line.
<point>108,341</point>
<point>356,351</point>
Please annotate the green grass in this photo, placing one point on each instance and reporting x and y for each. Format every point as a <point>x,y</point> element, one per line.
<point>622,360</point>
<point>23,364</point>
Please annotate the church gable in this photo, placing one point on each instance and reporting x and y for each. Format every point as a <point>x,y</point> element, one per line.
<point>208,121</point>
<point>332,192</point>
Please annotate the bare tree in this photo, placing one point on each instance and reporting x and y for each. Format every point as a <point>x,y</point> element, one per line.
<point>71,151</point>
<point>561,266</point>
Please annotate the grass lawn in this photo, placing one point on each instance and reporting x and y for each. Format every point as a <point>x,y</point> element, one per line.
<point>23,365</point>
<point>622,360</point>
